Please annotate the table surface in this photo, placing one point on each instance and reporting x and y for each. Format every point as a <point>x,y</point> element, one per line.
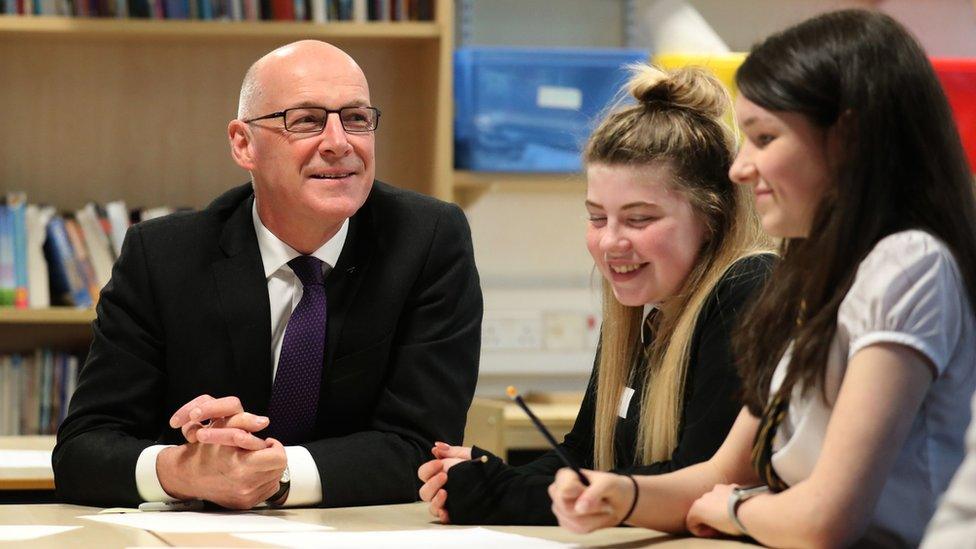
<point>376,518</point>
<point>27,478</point>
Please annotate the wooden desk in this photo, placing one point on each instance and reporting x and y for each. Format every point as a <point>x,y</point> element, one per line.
<point>409,516</point>
<point>91,534</point>
<point>499,425</point>
<point>27,478</point>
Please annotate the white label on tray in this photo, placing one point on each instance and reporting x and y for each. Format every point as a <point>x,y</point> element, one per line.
<point>556,97</point>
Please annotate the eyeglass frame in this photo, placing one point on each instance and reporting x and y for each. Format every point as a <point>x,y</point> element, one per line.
<point>284,120</point>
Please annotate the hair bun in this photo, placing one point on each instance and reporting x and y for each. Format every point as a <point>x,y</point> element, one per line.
<point>693,88</point>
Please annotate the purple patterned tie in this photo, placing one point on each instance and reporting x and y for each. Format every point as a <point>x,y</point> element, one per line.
<point>295,394</point>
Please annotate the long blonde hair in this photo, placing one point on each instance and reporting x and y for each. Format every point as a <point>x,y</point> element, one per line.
<point>677,122</point>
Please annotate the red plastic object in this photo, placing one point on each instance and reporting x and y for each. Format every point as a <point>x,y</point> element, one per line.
<point>958,77</point>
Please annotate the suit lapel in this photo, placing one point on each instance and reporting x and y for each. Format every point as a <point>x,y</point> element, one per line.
<point>243,295</point>
<point>344,280</point>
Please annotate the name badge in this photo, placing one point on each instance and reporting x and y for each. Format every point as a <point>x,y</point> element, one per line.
<point>625,402</point>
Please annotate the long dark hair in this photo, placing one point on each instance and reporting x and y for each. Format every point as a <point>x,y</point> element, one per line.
<point>902,168</point>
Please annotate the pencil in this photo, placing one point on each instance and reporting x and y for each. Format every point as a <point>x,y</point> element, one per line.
<point>513,394</point>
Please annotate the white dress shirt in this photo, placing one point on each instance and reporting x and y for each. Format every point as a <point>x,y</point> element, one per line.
<point>284,292</point>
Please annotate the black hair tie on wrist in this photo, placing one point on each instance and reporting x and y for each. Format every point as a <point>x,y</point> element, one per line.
<point>634,504</point>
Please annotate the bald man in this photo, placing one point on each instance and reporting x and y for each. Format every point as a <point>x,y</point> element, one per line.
<point>301,341</point>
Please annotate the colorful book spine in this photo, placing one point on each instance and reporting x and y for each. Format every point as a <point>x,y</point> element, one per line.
<point>68,286</point>
<point>283,10</point>
<point>82,257</point>
<point>17,203</point>
<point>8,281</point>
<point>38,282</point>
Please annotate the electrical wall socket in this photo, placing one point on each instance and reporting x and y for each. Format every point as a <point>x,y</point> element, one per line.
<point>512,330</point>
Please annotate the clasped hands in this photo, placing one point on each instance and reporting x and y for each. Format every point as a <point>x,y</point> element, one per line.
<point>222,461</point>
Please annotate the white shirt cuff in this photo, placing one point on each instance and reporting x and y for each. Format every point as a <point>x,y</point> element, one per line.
<point>306,485</point>
<point>147,482</point>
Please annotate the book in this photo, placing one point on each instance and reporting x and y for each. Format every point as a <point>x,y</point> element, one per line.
<point>343,10</point>
<point>283,10</point>
<point>152,213</point>
<point>320,13</point>
<point>99,249</point>
<point>82,257</point>
<point>8,281</point>
<point>6,381</point>
<point>17,204</point>
<point>118,218</point>
<point>38,290</point>
<point>67,285</point>
<point>70,383</point>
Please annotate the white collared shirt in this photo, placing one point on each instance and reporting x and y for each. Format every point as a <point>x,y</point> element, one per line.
<point>285,290</point>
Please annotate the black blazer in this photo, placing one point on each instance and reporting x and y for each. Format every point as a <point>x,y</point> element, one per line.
<point>187,313</point>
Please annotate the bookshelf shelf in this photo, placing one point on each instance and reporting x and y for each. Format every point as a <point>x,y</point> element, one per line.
<point>52,315</point>
<point>149,29</point>
<point>64,328</point>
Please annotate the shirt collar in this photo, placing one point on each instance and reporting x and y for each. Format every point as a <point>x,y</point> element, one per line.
<point>275,254</point>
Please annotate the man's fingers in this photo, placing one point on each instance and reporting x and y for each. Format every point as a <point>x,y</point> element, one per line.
<point>215,409</point>
<point>190,431</point>
<point>271,458</point>
<point>269,490</point>
<point>429,469</point>
<point>246,422</point>
<point>182,416</point>
<point>224,436</point>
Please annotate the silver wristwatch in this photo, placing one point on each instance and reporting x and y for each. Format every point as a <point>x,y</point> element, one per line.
<point>738,495</point>
<point>284,484</point>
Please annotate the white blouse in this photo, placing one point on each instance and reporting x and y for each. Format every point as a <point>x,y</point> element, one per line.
<point>909,291</point>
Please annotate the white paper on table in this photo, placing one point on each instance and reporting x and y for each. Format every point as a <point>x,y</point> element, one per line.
<point>468,538</point>
<point>24,459</point>
<point>22,532</point>
<point>191,522</point>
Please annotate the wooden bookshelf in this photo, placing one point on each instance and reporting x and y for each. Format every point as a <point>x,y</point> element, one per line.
<point>107,109</point>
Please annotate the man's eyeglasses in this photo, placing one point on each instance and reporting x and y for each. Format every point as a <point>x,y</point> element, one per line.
<point>313,119</point>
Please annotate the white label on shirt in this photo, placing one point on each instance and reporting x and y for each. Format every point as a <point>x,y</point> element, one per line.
<point>625,402</point>
<point>558,97</point>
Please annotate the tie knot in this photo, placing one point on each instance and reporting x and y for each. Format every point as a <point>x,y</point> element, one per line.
<point>308,269</point>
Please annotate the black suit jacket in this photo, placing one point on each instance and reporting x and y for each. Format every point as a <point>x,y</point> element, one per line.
<point>187,313</point>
